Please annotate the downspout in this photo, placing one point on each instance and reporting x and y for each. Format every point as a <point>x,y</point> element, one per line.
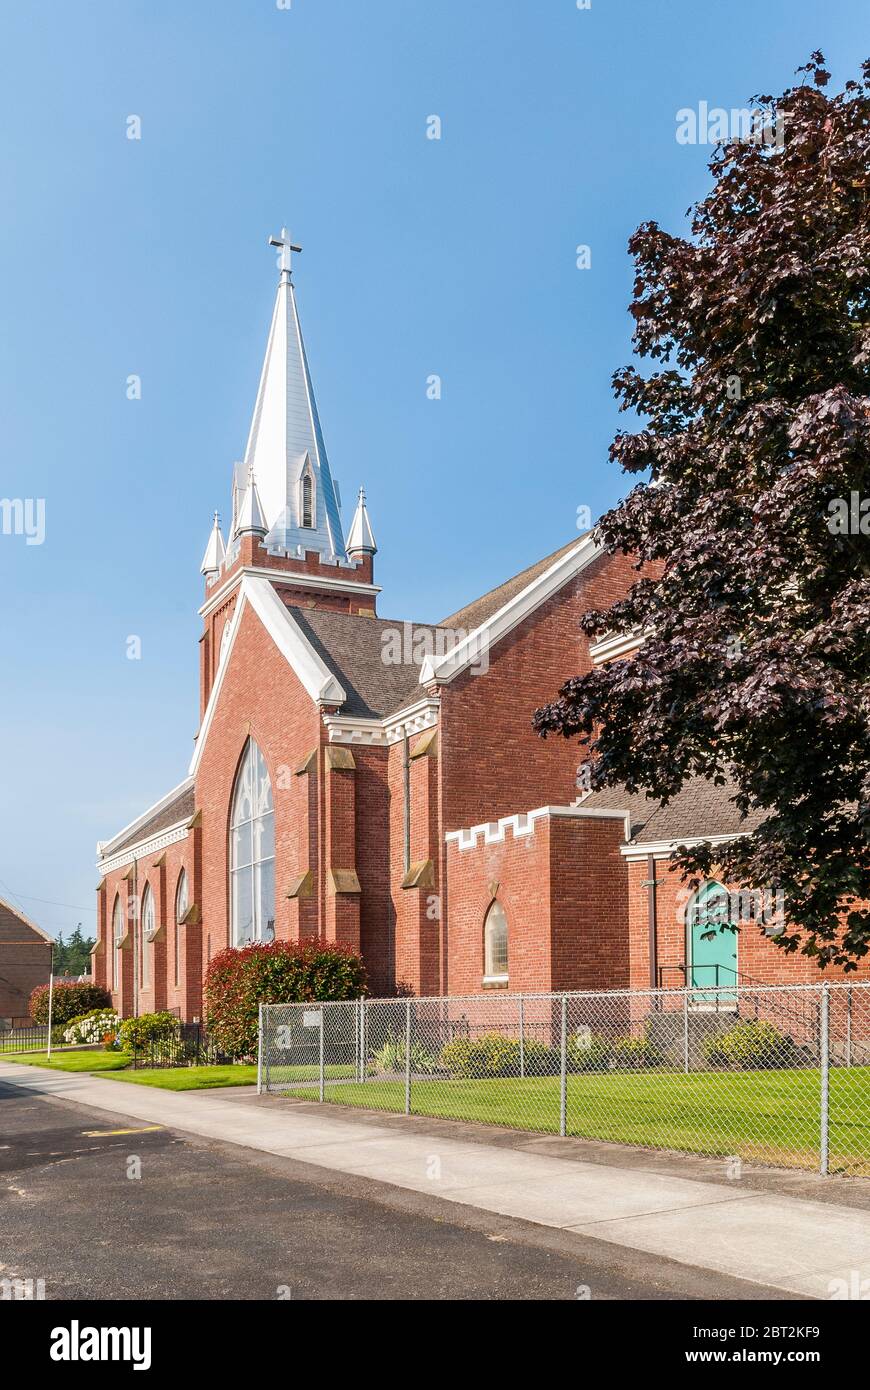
<point>136,938</point>
<point>406,802</point>
<point>652,918</point>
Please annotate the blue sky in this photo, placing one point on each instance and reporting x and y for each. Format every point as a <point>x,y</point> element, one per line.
<point>454,257</point>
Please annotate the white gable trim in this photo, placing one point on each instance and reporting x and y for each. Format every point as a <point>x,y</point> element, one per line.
<point>304,661</point>
<point>423,714</point>
<point>143,848</point>
<point>105,847</point>
<point>473,649</point>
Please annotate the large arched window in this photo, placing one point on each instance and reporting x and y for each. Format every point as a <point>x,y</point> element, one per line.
<point>149,922</point>
<point>252,852</point>
<point>495,943</point>
<point>182,905</point>
<point>117,937</point>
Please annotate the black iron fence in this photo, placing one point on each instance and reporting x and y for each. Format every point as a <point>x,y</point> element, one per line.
<point>189,1046</point>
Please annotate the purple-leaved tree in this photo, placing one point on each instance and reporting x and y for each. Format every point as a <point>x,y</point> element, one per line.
<point>755,521</point>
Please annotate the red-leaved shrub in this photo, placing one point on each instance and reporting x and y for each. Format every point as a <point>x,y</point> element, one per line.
<point>278,972</point>
<point>71,998</point>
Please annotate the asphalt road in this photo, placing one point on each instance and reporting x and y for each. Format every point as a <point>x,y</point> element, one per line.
<point>155,1214</point>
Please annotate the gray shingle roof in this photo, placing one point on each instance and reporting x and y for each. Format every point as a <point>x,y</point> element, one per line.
<point>481,609</point>
<point>179,808</point>
<point>700,809</point>
<point>357,651</point>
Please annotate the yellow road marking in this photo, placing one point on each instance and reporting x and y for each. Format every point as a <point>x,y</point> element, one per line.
<point>107,1133</point>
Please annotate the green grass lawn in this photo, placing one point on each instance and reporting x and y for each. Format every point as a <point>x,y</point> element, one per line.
<point>767,1116</point>
<point>70,1061</point>
<point>190,1078</point>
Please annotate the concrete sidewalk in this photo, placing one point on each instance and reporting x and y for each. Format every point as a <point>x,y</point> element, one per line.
<point>787,1242</point>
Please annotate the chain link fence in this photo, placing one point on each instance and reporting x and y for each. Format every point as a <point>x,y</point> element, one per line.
<point>777,1075</point>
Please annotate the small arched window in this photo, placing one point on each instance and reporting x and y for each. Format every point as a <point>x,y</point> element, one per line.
<point>226,634</point>
<point>149,922</point>
<point>117,937</point>
<point>307,500</point>
<point>495,943</point>
<point>252,851</point>
<point>182,905</point>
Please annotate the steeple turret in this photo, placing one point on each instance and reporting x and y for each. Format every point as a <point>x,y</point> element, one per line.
<point>215,551</point>
<point>360,537</point>
<point>250,520</point>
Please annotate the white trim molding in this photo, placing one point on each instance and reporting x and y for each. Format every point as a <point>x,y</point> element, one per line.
<point>494,832</point>
<point>104,847</point>
<point>143,848</point>
<point>663,848</point>
<point>474,648</point>
<point>617,644</point>
<point>313,673</point>
<point>423,714</point>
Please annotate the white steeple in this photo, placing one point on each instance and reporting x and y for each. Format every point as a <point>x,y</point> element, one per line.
<point>285,445</point>
<point>250,519</point>
<point>215,551</point>
<point>360,537</point>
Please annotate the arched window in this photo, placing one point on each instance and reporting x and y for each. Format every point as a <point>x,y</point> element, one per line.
<point>495,943</point>
<point>117,937</point>
<point>149,922</point>
<point>252,852</point>
<point>307,499</point>
<point>182,904</point>
<point>226,634</point>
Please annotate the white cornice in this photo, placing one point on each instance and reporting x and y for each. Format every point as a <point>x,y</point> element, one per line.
<point>618,644</point>
<point>660,848</point>
<point>300,581</point>
<point>473,650</point>
<point>423,714</point>
<point>104,847</point>
<point>493,832</point>
<point>312,672</point>
<point>152,845</point>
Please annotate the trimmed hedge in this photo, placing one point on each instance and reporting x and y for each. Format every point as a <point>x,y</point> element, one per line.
<point>277,972</point>
<point>72,998</point>
<point>137,1034</point>
<point>752,1045</point>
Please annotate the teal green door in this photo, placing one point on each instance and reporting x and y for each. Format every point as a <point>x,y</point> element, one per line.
<point>712,946</point>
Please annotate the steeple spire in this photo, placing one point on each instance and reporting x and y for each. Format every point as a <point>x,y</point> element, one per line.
<point>360,537</point>
<point>215,551</point>
<point>299,503</point>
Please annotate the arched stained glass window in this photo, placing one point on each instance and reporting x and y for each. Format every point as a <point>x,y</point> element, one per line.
<point>182,904</point>
<point>252,852</point>
<point>495,943</point>
<point>117,937</point>
<point>149,922</point>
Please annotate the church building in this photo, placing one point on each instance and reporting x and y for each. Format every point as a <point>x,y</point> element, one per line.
<point>377,782</point>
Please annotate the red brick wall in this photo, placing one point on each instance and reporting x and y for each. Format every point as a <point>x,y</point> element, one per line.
<point>565,895</point>
<point>758,957</point>
<point>261,698</point>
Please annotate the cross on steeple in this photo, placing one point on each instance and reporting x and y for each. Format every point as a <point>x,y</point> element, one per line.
<point>287,248</point>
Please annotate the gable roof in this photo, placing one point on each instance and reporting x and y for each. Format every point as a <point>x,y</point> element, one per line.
<point>356,650</point>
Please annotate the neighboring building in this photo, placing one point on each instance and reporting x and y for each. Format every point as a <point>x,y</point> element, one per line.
<point>379,783</point>
<point>25,962</point>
